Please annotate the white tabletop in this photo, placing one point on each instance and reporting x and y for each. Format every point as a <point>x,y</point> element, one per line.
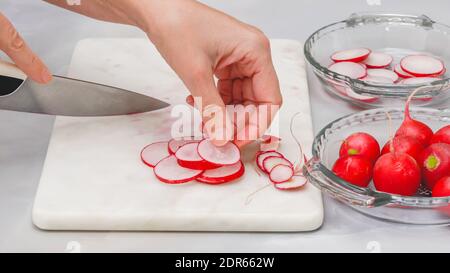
<point>53,33</point>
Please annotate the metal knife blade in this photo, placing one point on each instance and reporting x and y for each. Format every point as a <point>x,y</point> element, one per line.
<point>71,97</point>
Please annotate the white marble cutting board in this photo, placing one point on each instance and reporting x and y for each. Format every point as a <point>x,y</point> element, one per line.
<point>93,178</point>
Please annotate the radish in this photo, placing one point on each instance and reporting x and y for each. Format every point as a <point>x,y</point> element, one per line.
<point>270,162</point>
<point>361,144</point>
<point>356,170</point>
<point>377,79</point>
<point>168,171</point>
<point>404,144</point>
<point>442,135</point>
<point>349,69</point>
<point>281,173</point>
<point>435,162</point>
<point>442,187</point>
<point>378,60</point>
<point>188,157</point>
<point>383,73</point>
<point>270,143</point>
<point>422,65</point>
<point>175,144</point>
<point>223,174</point>
<point>228,154</point>
<point>351,55</point>
<point>423,80</point>
<point>402,73</point>
<point>414,128</point>
<point>154,153</point>
<point>295,183</point>
<point>363,98</point>
<point>263,155</point>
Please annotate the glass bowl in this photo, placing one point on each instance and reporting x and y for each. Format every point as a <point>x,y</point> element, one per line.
<point>396,34</point>
<point>420,209</point>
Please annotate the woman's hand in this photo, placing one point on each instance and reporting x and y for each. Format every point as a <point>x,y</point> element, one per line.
<point>15,47</point>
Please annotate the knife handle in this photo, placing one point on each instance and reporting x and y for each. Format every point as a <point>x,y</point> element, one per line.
<point>11,78</point>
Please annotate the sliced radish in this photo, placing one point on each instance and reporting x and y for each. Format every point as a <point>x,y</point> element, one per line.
<point>270,143</point>
<point>384,73</point>
<point>349,69</point>
<point>377,80</point>
<point>228,154</point>
<point>359,97</point>
<point>419,80</point>
<point>270,162</point>
<point>295,183</point>
<point>378,60</point>
<point>223,174</point>
<point>352,55</point>
<point>422,65</point>
<point>263,155</point>
<point>402,73</point>
<point>188,157</point>
<point>175,144</point>
<point>281,173</point>
<point>169,171</point>
<point>154,153</point>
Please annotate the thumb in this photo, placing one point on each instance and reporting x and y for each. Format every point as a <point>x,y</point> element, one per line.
<point>16,48</point>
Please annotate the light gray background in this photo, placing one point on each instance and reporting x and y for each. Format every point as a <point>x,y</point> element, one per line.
<point>53,34</point>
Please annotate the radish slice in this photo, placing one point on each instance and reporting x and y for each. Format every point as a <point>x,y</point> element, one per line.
<point>228,154</point>
<point>402,73</point>
<point>422,65</point>
<point>377,80</point>
<point>295,183</point>
<point>168,171</point>
<point>281,173</point>
<point>384,73</point>
<point>223,174</point>
<point>188,157</point>
<point>263,155</point>
<point>359,97</point>
<point>270,162</point>
<point>154,153</point>
<point>175,144</point>
<point>378,60</point>
<point>352,55</point>
<point>269,143</point>
<point>419,80</point>
<point>352,70</point>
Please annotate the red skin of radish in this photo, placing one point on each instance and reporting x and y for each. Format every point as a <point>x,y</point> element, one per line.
<point>360,144</point>
<point>404,144</point>
<point>442,187</point>
<point>442,136</point>
<point>397,173</point>
<point>435,163</point>
<point>356,170</point>
<point>222,180</point>
<point>198,165</point>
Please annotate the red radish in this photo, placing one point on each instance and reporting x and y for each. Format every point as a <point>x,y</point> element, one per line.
<point>442,187</point>
<point>270,162</point>
<point>361,144</point>
<point>228,154</point>
<point>281,173</point>
<point>423,80</point>
<point>188,157</point>
<point>414,128</point>
<point>154,153</point>
<point>363,98</point>
<point>442,135</point>
<point>295,183</point>
<point>397,173</point>
<point>270,143</point>
<point>351,55</point>
<point>378,60</point>
<point>352,70</point>
<point>168,171</point>
<point>356,170</point>
<point>402,73</point>
<point>377,80</point>
<point>223,174</point>
<point>383,73</point>
<point>422,65</point>
<point>435,162</point>
<point>404,144</point>
<point>263,155</point>
<point>175,144</point>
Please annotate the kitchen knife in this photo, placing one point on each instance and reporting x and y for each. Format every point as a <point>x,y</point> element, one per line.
<point>69,97</point>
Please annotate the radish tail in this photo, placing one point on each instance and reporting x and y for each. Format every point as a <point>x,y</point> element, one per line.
<point>301,157</point>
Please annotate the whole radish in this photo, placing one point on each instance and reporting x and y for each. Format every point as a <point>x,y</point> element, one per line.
<point>442,135</point>
<point>414,128</point>
<point>361,144</point>
<point>354,169</point>
<point>435,162</point>
<point>442,187</point>
<point>404,144</point>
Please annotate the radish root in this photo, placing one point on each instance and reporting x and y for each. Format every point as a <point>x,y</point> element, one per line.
<point>298,166</point>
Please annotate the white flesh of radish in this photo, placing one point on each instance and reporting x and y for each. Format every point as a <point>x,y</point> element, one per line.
<point>223,174</point>
<point>154,153</point>
<point>384,73</point>
<point>281,173</point>
<point>422,65</point>
<point>359,97</point>
<point>188,152</point>
<point>295,183</point>
<point>349,69</point>
<point>350,54</point>
<point>260,158</point>
<point>270,162</point>
<point>168,171</point>
<point>419,80</point>
<point>377,80</point>
<point>378,60</point>
<point>399,70</point>
<point>225,155</point>
<point>175,144</point>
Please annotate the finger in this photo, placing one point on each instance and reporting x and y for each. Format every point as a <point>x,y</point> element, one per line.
<point>16,48</point>
<point>225,88</point>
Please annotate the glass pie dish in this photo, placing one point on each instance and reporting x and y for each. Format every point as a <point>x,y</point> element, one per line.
<point>420,209</point>
<point>396,34</point>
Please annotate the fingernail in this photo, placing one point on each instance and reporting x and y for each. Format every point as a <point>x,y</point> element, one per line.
<point>46,76</point>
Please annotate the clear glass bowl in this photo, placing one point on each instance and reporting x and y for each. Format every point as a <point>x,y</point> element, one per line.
<point>421,209</point>
<point>398,35</point>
